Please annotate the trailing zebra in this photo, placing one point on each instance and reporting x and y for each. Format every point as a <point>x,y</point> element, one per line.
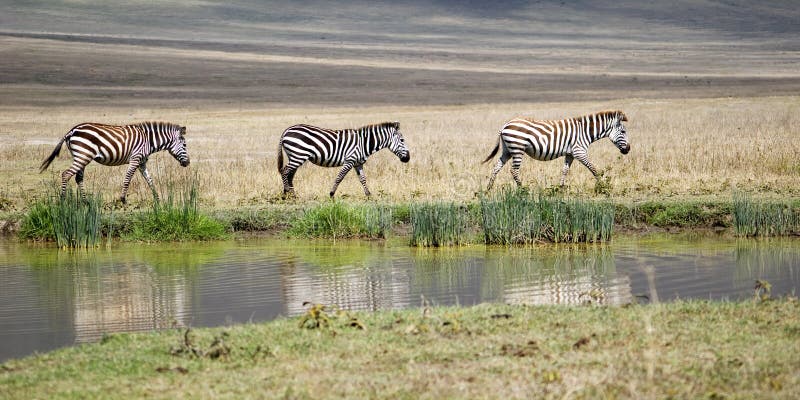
<point>346,148</point>
<point>118,145</point>
<point>550,139</point>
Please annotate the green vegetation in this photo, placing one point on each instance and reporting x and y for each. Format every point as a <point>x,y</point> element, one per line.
<point>753,217</point>
<point>175,220</point>
<point>518,216</point>
<point>438,224</point>
<point>681,214</point>
<point>504,217</point>
<point>674,350</point>
<point>70,220</point>
<point>337,219</point>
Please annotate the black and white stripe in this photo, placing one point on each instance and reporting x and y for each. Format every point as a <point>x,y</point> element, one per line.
<point>118,145</point>
<point>346,148</point>
<point>547,140</point>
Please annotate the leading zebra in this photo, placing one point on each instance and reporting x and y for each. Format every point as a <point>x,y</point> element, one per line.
<point>550,139</point>
<point>118,145</point>
<point>346,148</point>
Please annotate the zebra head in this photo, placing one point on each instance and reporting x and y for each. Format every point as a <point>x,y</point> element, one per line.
<point>397,144</point>
<point>618,135</point>
<point>177,148</point>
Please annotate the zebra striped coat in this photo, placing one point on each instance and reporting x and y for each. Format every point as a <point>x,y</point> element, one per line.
<point>118,145</point>
<point>550,139</point>
<point>347,148</point>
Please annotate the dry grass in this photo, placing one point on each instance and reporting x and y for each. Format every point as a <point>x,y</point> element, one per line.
<point>679,147</point>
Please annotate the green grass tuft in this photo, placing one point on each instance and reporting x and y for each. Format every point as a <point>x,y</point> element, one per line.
<point>438,224</point>
<point>337,219</point>
<point>70,220</point>
<point>517,216</point>
<point>753,217</point>
<point>175,220</point>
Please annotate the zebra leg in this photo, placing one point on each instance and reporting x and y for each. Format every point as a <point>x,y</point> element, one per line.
<point>132,167</point>
<point>584,159</point>
<point>287,176</point>
<point>567,163</point>
<point>363,178</point>
<point>516,162</point>
<point>502,161</point>
<point>79,181</point>
<point>65,177</point>
<point>347,167</point>
<point>76,168</point>
<point>146,175</point>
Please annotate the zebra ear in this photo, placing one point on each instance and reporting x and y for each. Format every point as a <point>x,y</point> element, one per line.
<point>396,125</point>
<point>622,116</point>
<point>183,130</point>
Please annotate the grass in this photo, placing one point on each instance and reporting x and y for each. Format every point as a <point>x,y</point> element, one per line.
<point>175,219</point>
<point>759,217</point>
<point>674,350</point>
<point>675,150</point>
<point>337,219</point>
<point>438,224</point>
<point>503,217</point>
<point>69,220</point>
<point>518,216</point>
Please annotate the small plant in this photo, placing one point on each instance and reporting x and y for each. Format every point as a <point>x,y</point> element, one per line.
<point>315,317</point>
<point>763,290</point>
<point>217,350</point>
<point>603,185</point>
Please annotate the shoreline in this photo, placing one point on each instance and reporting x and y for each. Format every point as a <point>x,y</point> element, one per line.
<point>488,350</point>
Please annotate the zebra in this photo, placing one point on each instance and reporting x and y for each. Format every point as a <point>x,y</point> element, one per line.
<point>118,145</point>
<point>346,148</point>
<point>550,139</point>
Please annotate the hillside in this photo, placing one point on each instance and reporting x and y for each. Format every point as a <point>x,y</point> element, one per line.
<point>440,52</point>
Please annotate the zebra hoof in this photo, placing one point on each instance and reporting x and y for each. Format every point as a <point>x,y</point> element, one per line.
<point>332,194</point>
<point>122,200</point>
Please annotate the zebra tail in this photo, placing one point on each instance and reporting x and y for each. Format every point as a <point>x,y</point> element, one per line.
<point>53,155</point>
<point>494,152</point>
<point>280,157</point>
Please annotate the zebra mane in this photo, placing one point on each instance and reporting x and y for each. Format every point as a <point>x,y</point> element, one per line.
<point>385,125</point>
<point>612,114</point>
<point>162,126</point>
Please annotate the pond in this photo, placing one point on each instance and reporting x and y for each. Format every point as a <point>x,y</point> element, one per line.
<point>51,298</point>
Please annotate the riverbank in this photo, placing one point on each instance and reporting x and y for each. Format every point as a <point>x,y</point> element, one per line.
<point>682,350</point>
<point>507,217</point>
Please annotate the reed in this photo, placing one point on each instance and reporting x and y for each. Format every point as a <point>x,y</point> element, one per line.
<point>70,220</point>
<point>518,217</point>
<point>176,218</point>
<point>754,217</point>
<point>337,219</point>
<point>438,224</point>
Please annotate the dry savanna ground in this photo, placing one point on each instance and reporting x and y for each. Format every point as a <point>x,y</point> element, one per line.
<point>679,148</point>
<point>710,89</point>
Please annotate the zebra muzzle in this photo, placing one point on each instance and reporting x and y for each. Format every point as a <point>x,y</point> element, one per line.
<point>625,149</point>
<point>405,158</point>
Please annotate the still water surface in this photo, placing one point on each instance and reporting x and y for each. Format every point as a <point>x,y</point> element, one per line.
<point>51,298</point>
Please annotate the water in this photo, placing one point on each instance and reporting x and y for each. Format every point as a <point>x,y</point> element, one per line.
<point>51,298</point>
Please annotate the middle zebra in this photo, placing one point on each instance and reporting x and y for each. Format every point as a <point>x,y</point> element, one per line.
<point>346,148</point>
